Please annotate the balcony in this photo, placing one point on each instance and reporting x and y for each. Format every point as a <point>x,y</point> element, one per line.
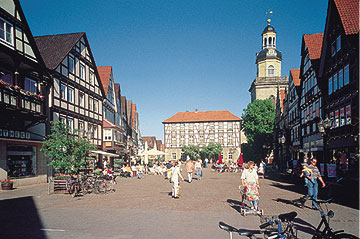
<point>13,97</point>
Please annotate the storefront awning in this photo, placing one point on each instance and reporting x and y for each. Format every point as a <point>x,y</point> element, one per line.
<point>104,153</point>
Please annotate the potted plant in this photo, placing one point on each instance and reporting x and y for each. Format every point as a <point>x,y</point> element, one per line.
<point>7,184</point>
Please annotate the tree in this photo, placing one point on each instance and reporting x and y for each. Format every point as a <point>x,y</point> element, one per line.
<point>66,151</point>
<point>212,150</point>
<point>258,124</point>
<point>192,150</point>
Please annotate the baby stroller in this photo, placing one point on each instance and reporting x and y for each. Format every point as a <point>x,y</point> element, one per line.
<point>245,209</point>
<point>261,172</point>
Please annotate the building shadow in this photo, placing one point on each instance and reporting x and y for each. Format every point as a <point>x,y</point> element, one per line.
<point>19,218</point>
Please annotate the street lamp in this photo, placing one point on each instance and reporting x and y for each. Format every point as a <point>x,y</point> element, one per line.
<point>323,125</point>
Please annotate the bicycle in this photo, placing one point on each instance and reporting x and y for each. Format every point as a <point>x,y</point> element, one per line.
<point>327,232</point>
<point>267,233</point>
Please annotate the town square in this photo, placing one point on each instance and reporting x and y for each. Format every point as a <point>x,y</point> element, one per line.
<point>179,119</point>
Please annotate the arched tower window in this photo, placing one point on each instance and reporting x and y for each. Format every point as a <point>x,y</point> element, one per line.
<point>274,42</point>
<point>270,40</point>
<point>265,41</point>
<point>271,70</point>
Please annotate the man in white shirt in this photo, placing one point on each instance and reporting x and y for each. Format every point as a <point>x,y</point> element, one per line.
<point>175,174</point>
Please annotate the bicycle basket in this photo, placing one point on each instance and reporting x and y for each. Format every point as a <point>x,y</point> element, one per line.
<point>274,226</point>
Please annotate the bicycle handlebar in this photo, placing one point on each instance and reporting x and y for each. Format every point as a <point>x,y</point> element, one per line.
<point>266,224</point>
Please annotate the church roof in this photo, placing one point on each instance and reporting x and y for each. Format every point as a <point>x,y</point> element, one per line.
<point>269,28</point>
<point>202,116</point>
<point>263,54</point>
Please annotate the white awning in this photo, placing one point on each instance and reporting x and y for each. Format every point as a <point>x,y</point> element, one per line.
<point>104,153</point>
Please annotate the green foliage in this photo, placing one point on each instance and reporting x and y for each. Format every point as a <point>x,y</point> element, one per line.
<point>212,150</point>
<point>258,125</point>
<point>192,150</point>
<point>66,151</point>
<point>258,118</point>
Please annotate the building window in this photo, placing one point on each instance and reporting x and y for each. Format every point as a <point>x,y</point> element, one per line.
<point>174,156</point>
<point>63,92</point>
<point>82,71</point>
<point>271,70</point>
<point>346,75</point>
<point>330,86</point>
<point>31,85</point>
<point>71,64</point>
<point>6,33</point>
<point>91,78</point>
<point>341,80</point>
<point>70,124</point>
<point>338,43</point>
<point>6,77</point>
<point>95,105</point>
<point>335,80</point>
<point>91,103</point>
<point>81,99</point>
<point>107,134</point>
<point>70,95</point>
<point>230,156</point>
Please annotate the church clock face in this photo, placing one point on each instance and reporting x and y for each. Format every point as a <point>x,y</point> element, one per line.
<point>271,52</point>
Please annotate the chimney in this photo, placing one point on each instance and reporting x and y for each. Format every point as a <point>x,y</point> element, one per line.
<point>196,111</point>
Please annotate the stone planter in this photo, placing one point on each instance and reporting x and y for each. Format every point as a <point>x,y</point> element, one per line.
<point>7,186</point>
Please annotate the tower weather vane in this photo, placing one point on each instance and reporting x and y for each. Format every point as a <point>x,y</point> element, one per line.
<point>269,14</point>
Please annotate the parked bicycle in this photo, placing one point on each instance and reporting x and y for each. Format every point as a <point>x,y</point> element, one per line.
<point>270,233</point>
<point>327,232</point>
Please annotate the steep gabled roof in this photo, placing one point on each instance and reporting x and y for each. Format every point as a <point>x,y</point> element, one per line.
<point>282,98</point>
<point>314,44</point>
<point>295,75</point>
<point>54,48</point>
<point>349,15</point>
<point>117,90</point>
<point>151,141</point>
<point>202,116</point>
<point>105,73</point>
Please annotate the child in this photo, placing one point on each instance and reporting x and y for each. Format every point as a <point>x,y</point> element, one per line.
<point>307,173</point>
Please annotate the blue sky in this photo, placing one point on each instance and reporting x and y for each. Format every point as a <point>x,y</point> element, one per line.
<point>173,56</point>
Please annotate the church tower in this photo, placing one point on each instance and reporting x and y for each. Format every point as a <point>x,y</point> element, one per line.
<point>268,61</point>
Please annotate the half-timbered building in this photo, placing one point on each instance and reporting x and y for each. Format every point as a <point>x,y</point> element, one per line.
<point>311,96</point>
<point>24,85</point>
<point>201,128</point>
<point>113,132</point>
<point>293,114</point>
<point>77,95</point>
<point>339,72</point>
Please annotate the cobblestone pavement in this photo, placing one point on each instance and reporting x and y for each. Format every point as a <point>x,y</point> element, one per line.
<point>143,209</point>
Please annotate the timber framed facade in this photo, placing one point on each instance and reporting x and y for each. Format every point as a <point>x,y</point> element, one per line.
<point>77,94</point>
<point>201,128</point>
<point>24,86</point>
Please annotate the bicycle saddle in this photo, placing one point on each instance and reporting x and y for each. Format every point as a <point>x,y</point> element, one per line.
<point>287,216</point>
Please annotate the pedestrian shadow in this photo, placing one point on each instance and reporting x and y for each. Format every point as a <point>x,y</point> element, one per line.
<point>235,204</point>
<point>19,218</point>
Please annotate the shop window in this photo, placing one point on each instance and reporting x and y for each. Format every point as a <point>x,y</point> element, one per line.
<point>21,160</point>
<point>337,120</point>
<point>348,114</point>
<point>342,117</point>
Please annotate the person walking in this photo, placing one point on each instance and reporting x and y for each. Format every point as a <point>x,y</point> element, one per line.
<point>313,187</point>
<point>198,169</point>
<point>175,174</point>
<point>189,169</point>
<point>250,182</point>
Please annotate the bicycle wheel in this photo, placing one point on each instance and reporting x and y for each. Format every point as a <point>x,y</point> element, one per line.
<point>344,236</point>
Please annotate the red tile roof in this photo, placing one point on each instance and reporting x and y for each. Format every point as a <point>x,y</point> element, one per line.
<point>159,145</point>
<point>295,74</point>
<point>314,43</point>
<point>104,73</point>
<point>203,116</point>
<point>349,15</point>
<point>151,141</point>
<point>282,98</point>
<point>108,124</point>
